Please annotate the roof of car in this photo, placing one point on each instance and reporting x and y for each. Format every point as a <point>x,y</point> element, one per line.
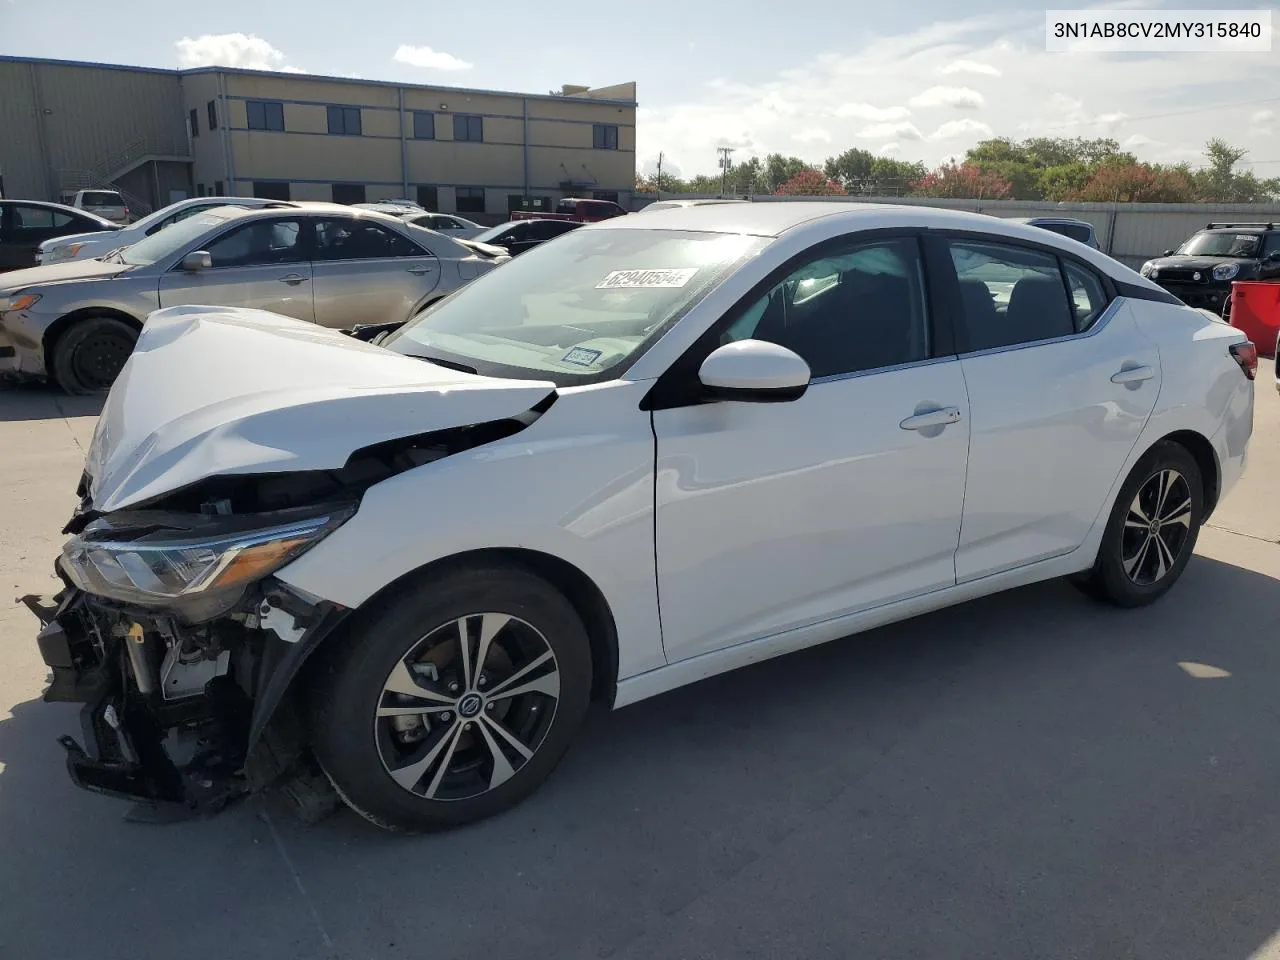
<point>773,218</point>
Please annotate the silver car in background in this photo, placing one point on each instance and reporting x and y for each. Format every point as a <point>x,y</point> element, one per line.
<point>75,323</point>
<point>86,246</point>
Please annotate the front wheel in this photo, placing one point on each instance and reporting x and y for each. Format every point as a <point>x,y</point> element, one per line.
<point>455,702</point>
<point>1152,529</point>
<point>89,356</point>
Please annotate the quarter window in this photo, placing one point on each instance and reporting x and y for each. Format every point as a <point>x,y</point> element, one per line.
<point>854,308</point>
<point>469,199</point>
<point>1009,295</point>
<point>264,115</point>
<point>1088,297</point>
<point>344,121</point>
<point>468,127</point>
<point>424,125</point>
<point>604,136</point>
<point>260,243</point>
<point>343,239</point>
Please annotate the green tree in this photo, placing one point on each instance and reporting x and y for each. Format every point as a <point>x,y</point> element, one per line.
<point>1219,182</point>
<point>851,168</point>
<point>777,170</point>
<point>862,172</point>
<point>1064,181</point>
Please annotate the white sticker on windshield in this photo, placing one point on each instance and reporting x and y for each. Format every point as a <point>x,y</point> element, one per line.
<point>581,356</point>
<point>1244,236</point>
<point>672,277</point>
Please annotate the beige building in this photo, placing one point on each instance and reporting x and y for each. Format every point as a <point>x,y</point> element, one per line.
<point>158,134</point>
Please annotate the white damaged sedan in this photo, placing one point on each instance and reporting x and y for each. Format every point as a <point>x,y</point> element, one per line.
<point>650,451</point>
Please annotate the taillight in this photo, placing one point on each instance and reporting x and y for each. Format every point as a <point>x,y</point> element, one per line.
<point>1246,354</point>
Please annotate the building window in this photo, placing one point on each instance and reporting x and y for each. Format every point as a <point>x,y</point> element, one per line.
<point>212,108</point>
<point>467,126</point>
<point>217,188</point>
<point>269,190</point>
<point>610,195</point>
<point>469,199</point>
<point>518,201</point>
<point>604,136</point>
<point>263,115</point>
<point>348,193</point>
<point>424,125</point>
<point>195,123</point>
<point>427,198</point>
<point>344,121</point>
<point>199,189</point>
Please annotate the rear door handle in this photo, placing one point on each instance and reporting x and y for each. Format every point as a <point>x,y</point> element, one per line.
<point>1132,374</point>
<point>419,271</point>
<point>293,278</point>
<point>932,418</point>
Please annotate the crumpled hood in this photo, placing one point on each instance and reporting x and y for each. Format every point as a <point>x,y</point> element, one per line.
<point>225,390</point>
<point>60,273</point>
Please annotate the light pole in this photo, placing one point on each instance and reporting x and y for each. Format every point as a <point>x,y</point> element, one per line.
<point>726,161</point>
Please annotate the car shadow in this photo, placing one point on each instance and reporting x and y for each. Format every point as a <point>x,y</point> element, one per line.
<point>1026,775</point>
<point>32,400</point>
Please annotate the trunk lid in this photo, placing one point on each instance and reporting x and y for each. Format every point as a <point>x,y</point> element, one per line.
<point>224,390</point>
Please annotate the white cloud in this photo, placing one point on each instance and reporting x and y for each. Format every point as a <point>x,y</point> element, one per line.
<point>812,135</point>
<point>246,51</point>
<point>961,98</point>
<point>904,130</point>
<point>1263,116</point>
<point>967,127</point>
<point>428,59</point>
<point>970,66</point>
<point>865,111</point>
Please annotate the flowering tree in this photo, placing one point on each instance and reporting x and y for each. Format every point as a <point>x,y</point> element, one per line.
<point>962,181</point>
<point>1139,183</point>
<point>810,183</point>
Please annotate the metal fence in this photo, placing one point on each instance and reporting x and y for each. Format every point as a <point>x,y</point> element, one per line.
<point>1130,232</point>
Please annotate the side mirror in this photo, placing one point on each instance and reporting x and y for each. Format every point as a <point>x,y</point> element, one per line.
<point>1167,253</point>
<point>754,371</point>
<point>197,260</point>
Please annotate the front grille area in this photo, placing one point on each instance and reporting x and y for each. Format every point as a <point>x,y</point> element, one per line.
<point>1199,294</point>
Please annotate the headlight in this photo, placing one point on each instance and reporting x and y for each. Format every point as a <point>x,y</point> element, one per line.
<point>1145,270</point>
<point>20,302</point>
<point>1225,271</point>
<point>65,252</point>
<point>198,576</point>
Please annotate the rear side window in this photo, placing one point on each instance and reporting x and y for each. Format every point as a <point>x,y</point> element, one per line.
<point>1009,295</point>
<point>1271,243</point>
<point>341,239</point>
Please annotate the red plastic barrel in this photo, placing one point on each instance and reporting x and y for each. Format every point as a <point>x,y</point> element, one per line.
<point>1255,311</point>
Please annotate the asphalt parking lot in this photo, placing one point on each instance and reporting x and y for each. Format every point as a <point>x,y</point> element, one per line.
<point>1025,776</point>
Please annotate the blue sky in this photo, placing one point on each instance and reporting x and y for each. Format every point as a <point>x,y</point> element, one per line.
<point>921,81</point>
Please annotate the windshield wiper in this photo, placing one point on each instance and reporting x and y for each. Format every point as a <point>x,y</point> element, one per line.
<point>450,364</point>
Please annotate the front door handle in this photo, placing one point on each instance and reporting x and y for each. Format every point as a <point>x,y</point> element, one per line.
<point>419,271</point>
<point>940,417</point>
<point>293,279</point>
<point>1134,374</point>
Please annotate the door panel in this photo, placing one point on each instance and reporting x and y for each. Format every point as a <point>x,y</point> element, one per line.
<point>259,264</point>
<point>366,273</point>
<point>775,515</point>
<point>1050,433</point>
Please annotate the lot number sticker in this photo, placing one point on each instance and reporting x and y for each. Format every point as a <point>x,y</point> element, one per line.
<point>633,279</point>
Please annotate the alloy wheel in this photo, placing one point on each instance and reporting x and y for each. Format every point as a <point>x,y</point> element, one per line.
<point>467,706</point>
<point>1157,527</point>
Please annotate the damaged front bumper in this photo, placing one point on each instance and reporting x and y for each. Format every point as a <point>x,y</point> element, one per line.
<point>182,719</point>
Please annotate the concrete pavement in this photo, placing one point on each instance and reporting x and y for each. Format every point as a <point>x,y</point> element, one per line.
<point>1030,775</point>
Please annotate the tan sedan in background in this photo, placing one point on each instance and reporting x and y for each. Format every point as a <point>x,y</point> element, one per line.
<point>76,323</point>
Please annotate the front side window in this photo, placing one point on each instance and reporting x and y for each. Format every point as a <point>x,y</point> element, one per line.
<point>424,125</point>
<point>263,115</point>
<point>1206,244</point>
<point>260,243</point>
<point>344,121</point>
<point>575,310</point>
<point>850,309</point>
<point>164,243</point>
<point>1009,295</point>
<point>468,127</point>
<point>604,136</point>
<point>1271,243</point>
<point>352,239</point>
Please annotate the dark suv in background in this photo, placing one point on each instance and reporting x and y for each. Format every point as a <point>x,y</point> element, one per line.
<point>1201,271</point>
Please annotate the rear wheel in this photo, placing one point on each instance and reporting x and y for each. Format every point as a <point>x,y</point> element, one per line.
<point>455,702</point>
<point>90,355</point>
<point>1152,530</point>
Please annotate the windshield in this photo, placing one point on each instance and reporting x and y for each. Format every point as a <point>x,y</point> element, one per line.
<point>493,234</point>
<point>1205,244</point>
<point>170,240</point>
<point>574,310</point>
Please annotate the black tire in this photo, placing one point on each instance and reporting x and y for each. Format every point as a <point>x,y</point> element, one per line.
<point>1123,573</point>
<point>359,750</point>
<point>89,356</point>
